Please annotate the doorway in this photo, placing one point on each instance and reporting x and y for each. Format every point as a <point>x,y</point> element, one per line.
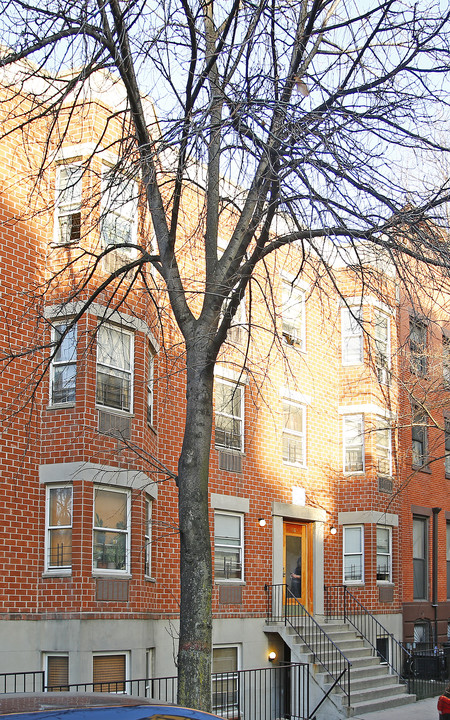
<point>297,561</point>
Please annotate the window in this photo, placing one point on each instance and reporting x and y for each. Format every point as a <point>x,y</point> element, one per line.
<point>229,414</point>
<point>418,346</point>
<point>420,555</point>
<point>294,433</point>
<point>353,445</point>
<point>148,539</point>
<point>111,530</point>
<point>68,203</point>
<point>150,380</point>
<point>446,361</point>
<point>447,446</point>
<point>228,546</point>
<point>352,336</point>
<point>383,436</point>
<point>114,368</point>
<point>56,672</point>
<point>448,560</point>
<point>353,554</point>
<point>119,217</point>
<point>382,348</point>
<point>59,527</point>
<point>109,673</point>
<point>293,315</point>
<point>63,368</point>
<point>422,635</point>
<point>384,554</point>
<point>419,433</point>
<point>225,681</point>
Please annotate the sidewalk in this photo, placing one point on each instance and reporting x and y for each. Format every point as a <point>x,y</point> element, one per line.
<point>421,710</point>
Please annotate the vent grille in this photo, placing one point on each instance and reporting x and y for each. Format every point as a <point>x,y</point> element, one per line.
<point>385,485</point>
<point>230,594</point>
<point>118,426</point>
<point>112,590</point>
<point>232,462</point>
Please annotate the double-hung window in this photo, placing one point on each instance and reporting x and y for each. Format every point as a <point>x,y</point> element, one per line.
<point>58,551</point>
<point>225,686</point>
<point>229,414</point>
<point>383,438</point>
<point>63,367</point>
<point>448,560</point>
<point>353,554</point>
<point>382,347</point>
<point>114,368</point>
<point>150,380</point>
<point>420,558</point>
<point>384,554</point>
<point>419,434</point>
<point>111,534</point>
<point>148,538</point>
<point>119,210</point>
<point>447,446</point>
<point>293,315</point>
<point>353,443</point>
<point>68,203</point>
<point>446,361</point>
<point>228,546</point>
<point>294,433</point>
<point>418,347</point>
<point>352,336</point>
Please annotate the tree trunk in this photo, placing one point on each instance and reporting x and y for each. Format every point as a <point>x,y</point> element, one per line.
<point>194,653</point>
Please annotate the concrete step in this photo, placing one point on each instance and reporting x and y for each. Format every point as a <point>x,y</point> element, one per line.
<point>380,704</point>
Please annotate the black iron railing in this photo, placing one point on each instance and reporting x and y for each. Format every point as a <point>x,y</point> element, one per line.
<point>273,693</point>
<point>21,682</point>
<point>341,604</point>
<point>283,607</point>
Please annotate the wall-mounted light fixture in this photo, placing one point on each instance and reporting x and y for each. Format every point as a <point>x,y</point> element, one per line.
<point>262,521</point>
<point>272,656</point>
<point>333,530</point>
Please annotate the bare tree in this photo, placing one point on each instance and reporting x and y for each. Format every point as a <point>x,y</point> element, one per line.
<point>292,119</point>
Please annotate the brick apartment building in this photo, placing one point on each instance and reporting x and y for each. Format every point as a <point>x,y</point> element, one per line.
<point>329,442</point>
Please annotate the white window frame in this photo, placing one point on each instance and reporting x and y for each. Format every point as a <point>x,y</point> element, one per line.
<point>351,331</point>
<point>296,435</point>
<point>49,529</point>
<point>231,677</point>
<point>447,445</point>
<point>124,653</point>
<point>240,418</point>
<point>148,537</point>
<point>116,370</point>
<point>150,386</point>
<point>360,446</point>
<point>446,361</point>
<point>46,657</point>
<point>419,434</point>
<point>387,554</point>
<point>112,209</point>
<point>125,532</point>
<point>382,349</point>
<point>233,548</point>
<point>293,315</point>
<point>69,208</point>
<point>383,426</point>
<point>418,359</point>
<point>360,554</point>
<point>60,364</point>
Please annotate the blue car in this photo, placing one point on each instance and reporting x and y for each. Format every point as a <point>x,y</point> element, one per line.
<point>92,706</point>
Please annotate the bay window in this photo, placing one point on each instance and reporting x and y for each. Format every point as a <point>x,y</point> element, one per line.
<point>58,551</point>
<point>353,554</point>
<point>119,210</point>
<point>383,437</point>
<point>353,443</point>
<point>63,368</point>
<point>68,204</point>
<point>352,336</point>
<point>384,554</point>
<point>111,532</point>
<point>114,368</point>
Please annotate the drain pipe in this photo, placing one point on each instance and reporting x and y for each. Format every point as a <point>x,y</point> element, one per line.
<point>434,590</point>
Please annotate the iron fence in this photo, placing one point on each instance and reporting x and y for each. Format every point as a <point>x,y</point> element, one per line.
<point>275,693</point>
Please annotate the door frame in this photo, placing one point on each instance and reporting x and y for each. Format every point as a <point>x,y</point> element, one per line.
<point>298,528</point>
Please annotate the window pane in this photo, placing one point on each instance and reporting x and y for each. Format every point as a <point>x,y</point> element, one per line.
<point>108,673</point>
<point>224,659</point>
<point>113,389</point>
<point>110,509</point>
<point>113,348</point>
<point>60,550</point>
<point>293,417</point>
<point>353,567</point>
<point>70,185</point>
<point>353,540</point>
<point>228,529</point>
<point>57,672</point>
<point>64,383</point>
<point>60,506</point>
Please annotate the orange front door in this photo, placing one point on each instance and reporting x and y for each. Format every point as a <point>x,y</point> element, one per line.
<point>297,568</point>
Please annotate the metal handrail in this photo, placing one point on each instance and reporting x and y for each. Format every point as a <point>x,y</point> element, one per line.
<point>283,606</point>
<point>340,602</point>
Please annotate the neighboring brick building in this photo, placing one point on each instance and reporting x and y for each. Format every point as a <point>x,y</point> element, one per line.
<point>313,435</point>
